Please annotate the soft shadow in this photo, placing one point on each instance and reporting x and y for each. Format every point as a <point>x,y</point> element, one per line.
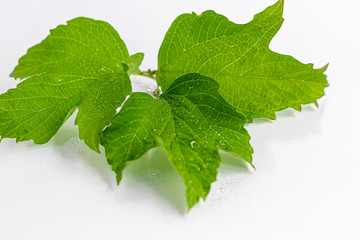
<point>68,144</point>
<point>232,161</point>
<point>152,171</point>
<point>155,171</point>
<point>157,174</point>
<point>289,124</point>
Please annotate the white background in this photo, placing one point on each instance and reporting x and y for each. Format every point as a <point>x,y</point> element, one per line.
<point>307,181</point>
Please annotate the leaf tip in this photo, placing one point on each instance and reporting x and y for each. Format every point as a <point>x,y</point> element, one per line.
<point>252,165</point>
<point>190,206</point>
<point>141,55</point>
<point>12,74</point>
<point>96,148</point>
<point>278,6</point>
<point>324,68</point>
<point>316,104</point>
<point>118,178</point>
<point>92,146</point>
<point>280,3</point>
<point>297,108</point>
<point>272,117</point>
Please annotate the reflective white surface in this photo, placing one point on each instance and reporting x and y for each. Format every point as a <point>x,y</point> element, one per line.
<point>307,179</point>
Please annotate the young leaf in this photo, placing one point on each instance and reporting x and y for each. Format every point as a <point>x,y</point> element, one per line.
<point>191,121</point>
<point>257,81</point>
<point>83,64</point>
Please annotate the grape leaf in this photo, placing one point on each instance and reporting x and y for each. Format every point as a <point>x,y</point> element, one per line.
<point>191,121</point>
<point>254,79</point>
<point>83,64</point>
<point>217,76</point>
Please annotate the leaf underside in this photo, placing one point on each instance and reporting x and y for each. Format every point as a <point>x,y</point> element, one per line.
<point>254,79</point>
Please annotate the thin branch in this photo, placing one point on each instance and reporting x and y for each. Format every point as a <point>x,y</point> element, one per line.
<point>149,73</point>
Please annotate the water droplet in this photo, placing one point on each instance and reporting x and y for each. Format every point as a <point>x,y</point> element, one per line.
<point>152,176</point>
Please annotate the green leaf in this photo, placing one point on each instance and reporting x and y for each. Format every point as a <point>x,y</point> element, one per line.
<point>254,79</point>
<point>191,121</point>
<point>216,76</point>
<point>79,65</point>
<point>134,62</point>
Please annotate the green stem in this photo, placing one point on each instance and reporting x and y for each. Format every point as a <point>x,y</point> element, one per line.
<point>157,92</point>
<point>149,73</point>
